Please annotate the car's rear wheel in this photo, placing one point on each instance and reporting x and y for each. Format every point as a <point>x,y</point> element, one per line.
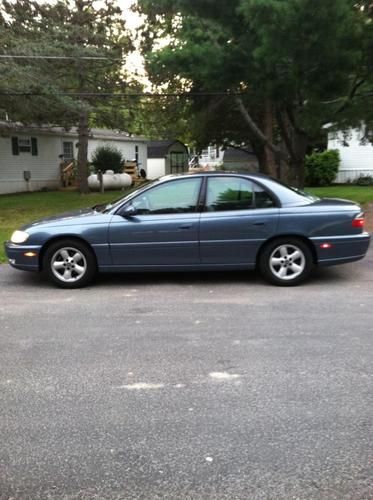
<point>69,264</point>
<point>286,262</point>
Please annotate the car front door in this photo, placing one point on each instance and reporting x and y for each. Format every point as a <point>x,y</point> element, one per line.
<point>238,217</point>
<point>164,229</point>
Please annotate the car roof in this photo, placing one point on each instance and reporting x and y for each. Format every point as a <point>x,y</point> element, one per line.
<point>214,173</point>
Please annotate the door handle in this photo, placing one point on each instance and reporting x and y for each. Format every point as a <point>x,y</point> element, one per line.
<point>258,223</point>
<point>185,226</point>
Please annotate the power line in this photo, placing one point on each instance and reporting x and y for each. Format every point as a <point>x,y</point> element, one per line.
<point>64,58</point>
<point>121,95</point>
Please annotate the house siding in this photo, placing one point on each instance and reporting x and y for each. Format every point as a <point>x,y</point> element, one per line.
<point>44,167</point>
<point>128,149</point>
<point>356,159</point>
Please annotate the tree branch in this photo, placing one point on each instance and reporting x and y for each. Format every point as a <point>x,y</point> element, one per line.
<point>216,103</point>
<point>254,128</point>
<point>351,95</point>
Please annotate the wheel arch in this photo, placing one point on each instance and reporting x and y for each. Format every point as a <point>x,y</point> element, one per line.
<point>61,237</point>
<point>301,237</point>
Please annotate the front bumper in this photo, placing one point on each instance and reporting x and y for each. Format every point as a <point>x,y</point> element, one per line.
<point>24,257</point>
<point>342,249</point>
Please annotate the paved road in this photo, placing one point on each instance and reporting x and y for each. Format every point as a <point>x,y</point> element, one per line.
<point>187,387</point>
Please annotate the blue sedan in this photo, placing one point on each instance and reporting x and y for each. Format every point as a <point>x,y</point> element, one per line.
<point>206,221</point>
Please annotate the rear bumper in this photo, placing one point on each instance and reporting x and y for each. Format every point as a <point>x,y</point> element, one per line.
<point>343,249</point>
<point>17,256</point>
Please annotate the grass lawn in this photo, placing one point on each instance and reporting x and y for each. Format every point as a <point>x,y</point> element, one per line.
<point>360,194</point>
<point>19,209</point>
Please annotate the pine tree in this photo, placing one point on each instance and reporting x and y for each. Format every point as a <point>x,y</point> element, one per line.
<point>77,30</point>
<point>297,65</point>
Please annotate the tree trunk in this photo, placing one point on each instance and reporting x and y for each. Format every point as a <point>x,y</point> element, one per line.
<point>295,140</point>
<point>297,163</point>
<point>83,132</point>
<point>268,156</point>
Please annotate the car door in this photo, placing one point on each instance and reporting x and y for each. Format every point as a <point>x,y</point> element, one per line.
<point>239,216</point>
<point>164,229</point>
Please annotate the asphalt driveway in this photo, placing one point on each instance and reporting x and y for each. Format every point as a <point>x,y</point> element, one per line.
<point>187,386</point>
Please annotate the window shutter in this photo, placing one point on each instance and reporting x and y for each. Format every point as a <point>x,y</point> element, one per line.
<point>34,146</point>
<point>15,148</point>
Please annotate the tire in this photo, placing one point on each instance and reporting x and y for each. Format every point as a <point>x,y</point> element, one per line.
<point>69,264</point>
<point>286,262</point>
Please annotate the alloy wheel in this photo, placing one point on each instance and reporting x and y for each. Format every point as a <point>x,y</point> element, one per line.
<point>68,264</point>
<point>287,262</point>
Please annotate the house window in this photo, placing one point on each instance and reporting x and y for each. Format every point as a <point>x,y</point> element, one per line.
<point>137,154</point>
<point>24,145</point>
<point>68,150</point>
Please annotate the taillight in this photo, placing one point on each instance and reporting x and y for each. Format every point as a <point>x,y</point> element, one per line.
<point>359,220</point>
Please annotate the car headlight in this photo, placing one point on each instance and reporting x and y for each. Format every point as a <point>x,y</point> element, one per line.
<point>19,237</point>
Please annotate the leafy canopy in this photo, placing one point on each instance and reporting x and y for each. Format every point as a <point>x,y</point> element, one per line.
<point>299,64</point>
<point>67,28</point>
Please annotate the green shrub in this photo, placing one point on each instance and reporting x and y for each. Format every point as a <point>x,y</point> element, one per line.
<point>364,180</point>
<point>322,168</point>
<point>107,158</point>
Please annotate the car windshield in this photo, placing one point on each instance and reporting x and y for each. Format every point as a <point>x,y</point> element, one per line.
<point>106,207</point>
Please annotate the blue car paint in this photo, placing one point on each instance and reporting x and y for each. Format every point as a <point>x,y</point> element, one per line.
<point>234,238</point>
<point>200,240</point>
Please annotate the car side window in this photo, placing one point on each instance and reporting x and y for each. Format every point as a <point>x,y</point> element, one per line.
<point>262,198</point>
<point>175,197</point>
<point>229,193</point>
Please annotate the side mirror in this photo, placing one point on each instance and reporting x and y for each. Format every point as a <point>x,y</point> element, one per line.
<point>128,211</point>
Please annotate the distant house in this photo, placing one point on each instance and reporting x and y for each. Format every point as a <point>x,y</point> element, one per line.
<point>234,159</point>
<point>356,157</point>
<point>240,160</point>
<point>212,156</point>
<point>30,157</point>
<point>166,157</point>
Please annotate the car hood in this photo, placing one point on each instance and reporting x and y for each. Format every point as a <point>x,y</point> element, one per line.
<point>82,216</point>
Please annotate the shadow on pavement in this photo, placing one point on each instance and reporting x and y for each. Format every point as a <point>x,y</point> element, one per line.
<point>341,274</point>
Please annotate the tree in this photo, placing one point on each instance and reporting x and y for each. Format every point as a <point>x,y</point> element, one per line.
<point>92,38</point>
<point>162,118</point>
<point>296,65</point>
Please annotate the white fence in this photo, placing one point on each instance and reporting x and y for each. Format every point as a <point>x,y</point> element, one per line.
<point>350,175</point>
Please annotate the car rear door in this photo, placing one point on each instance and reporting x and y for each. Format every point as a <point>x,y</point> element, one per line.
<point>239,216</point>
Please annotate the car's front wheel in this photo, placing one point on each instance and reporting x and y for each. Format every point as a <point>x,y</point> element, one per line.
<point>286,261</point>
<point>69,264</point>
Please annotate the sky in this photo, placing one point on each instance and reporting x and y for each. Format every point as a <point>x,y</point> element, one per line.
<point>132,18</point>
<point>133,21</point>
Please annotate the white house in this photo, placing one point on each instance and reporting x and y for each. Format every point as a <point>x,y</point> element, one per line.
<point>212,156</point>
<point>356,158</point>
<point>30,157</point>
